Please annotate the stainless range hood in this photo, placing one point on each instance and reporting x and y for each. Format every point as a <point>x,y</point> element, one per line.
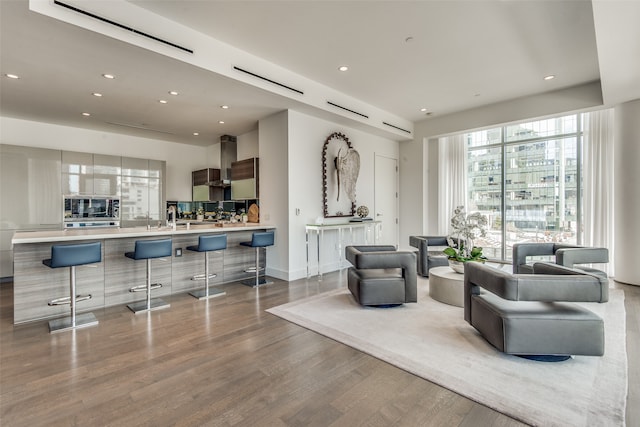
<point>228,155</point>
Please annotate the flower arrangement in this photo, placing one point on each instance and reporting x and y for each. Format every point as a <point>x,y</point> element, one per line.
<point>466,228</point>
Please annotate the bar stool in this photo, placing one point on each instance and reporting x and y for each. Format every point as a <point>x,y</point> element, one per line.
<point>149,249</point>
<point>72,256</point>
<point>208,244</point>
<point>259,239</point>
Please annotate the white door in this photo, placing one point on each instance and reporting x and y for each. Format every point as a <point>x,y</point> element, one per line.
<point>386,199</point>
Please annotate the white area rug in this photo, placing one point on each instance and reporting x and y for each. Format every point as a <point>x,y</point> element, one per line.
<point>432,340</point>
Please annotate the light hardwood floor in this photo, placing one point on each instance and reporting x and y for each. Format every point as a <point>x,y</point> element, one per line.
<point>226,362</point>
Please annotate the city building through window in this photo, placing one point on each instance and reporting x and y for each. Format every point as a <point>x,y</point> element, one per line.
<point>527,179</point>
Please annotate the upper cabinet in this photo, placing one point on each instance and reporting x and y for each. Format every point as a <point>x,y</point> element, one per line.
<point>91,174</point>
<point>30,188</point>
<point>107,175</point>
<point>245,179</point>
<point>143,192</point>
<point>203,185</point>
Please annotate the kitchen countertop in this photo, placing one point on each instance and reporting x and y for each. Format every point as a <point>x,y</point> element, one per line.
<point>21,237</point>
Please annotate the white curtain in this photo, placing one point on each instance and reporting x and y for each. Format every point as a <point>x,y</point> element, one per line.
<point>598,182</point>
<point>452,179</point>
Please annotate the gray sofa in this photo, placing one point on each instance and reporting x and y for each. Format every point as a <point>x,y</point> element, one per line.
<point>429,252</point>
<point>563,254</point>
<point>534,314</point>
<point>381,275</point>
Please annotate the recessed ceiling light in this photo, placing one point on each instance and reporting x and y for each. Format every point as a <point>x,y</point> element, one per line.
<point>221,122</point>
<point>196,134</point>
<point>224,107</point>
<point>408,39</point>
<point>86,114</point>
<point>549,77</point>
<point>109,76</point>
<point>173,92</point>
<point>12,76</point>
<point>97,94</point>
<point>423,109</point>
<point>163,101</point>
<point>343,68</point>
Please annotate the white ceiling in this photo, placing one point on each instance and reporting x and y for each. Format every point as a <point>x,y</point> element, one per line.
<point>445,56</point>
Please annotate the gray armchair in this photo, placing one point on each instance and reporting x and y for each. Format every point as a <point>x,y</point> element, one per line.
<point>565,255</point>
<point>381,275</point>
<point>429,252</point>
<point>533,315</point>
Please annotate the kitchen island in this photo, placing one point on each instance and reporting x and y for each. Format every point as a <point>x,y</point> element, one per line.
<point>109,281</point>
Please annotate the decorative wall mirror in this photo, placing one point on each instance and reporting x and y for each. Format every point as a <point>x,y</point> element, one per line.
<point>340,169</point>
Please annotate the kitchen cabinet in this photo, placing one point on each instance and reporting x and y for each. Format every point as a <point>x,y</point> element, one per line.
<point>157,190</point>
<point>107,175</point>
<point>204,188</point>
<point>30,195</point>
<point>90,174</point>
<point>142,192</point>
<point>77,173</point>
<point>245,179</point>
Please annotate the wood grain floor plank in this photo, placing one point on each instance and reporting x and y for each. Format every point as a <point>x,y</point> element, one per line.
<point>225,362</point>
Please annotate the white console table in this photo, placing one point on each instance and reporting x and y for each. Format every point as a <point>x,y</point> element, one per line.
<point>371,230</point>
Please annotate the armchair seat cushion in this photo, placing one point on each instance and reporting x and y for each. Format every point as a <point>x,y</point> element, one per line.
<point>533,327</point>
<point>525,269</point>
<point>377,287</point>
<point>437,250</point>
<point>436,254</point>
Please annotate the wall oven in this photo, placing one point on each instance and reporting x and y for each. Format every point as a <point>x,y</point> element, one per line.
<point>91,211</point>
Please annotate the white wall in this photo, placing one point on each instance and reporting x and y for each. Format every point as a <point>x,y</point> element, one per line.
<point>181,159</point>
<point>627,192</point>
<point>306,138</point>
<point>413,191</point>
<point>274,190</point>
<point>248,145</point>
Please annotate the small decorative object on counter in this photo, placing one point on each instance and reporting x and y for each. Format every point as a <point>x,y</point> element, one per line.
<point>254,213</point>
<point>200,214</point>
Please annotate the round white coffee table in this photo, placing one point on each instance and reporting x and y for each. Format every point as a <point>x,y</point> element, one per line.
<point>447,286</point>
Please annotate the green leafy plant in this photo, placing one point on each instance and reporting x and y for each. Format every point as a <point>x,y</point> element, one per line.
<point>459,253</point>
<point>465,229</point>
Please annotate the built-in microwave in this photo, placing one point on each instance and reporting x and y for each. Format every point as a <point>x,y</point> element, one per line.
<point>91,211</point>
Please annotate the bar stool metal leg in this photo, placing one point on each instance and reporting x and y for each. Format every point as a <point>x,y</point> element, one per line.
<point>258,240</point>
<point>207,292</point>
<point>148,304</point>
<point>257,280</point>
<point>74,321</point>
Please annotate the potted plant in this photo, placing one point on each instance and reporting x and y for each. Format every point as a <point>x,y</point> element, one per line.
<point>465,228</point>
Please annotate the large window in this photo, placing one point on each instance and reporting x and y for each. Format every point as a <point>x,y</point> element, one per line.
<point>527,179</point>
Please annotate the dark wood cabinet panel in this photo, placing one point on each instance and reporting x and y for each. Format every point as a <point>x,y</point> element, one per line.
<point>205,176</point>
<point>245,169</point>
